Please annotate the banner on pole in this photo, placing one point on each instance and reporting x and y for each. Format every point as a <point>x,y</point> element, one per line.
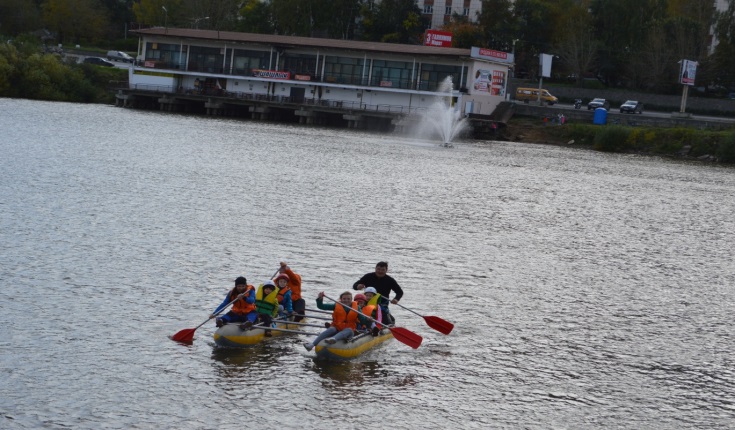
<point>688,72</point>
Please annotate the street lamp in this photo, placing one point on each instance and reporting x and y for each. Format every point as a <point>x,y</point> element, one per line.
<point>196,21</point>
<point>165,22</point>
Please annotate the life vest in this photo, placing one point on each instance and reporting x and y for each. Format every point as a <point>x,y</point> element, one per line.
<point>368,310</point>
<point>282,292</point>
<point>266,305</point>
<point>242,307</point>
<point>341,319</point>
<point>374,300</point>
<point>294,283</point>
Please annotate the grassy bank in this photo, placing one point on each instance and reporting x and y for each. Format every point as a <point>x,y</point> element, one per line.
<point>705,145</point>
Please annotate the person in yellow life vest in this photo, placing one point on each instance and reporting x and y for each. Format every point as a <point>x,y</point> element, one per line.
<point>284,295</point>
<point>294,284</point>
<point>243,310</point>
<point>344,320</point>
<point>266,304</point>
<point>374,300</point>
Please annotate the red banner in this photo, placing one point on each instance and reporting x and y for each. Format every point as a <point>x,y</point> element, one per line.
<point>438,38</point>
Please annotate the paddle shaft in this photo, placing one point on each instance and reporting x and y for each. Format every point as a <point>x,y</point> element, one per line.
<point>321,311</point>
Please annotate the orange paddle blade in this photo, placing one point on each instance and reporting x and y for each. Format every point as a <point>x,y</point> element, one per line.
<point>439,324</point>
<point>185,335</point>
<point>406,336</point>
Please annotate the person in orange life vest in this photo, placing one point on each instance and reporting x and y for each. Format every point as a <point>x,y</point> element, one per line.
<point>361,300</point>
<point>344,320</point>
<point>285,306</point>
<point>383,284</point>
<point>266,304</point>
<point>372,309</point>
<point>243,309</point>
<point>294,284</point>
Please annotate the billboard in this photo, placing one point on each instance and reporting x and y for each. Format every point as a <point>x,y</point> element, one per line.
<point>491,54</point>
<point>438,38</point>
<point>688,72</point>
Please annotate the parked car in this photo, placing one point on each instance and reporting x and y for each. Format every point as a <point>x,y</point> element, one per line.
<point>598,103</point>
<point>631,106</point>
<point>119,56</point>
<point>97,61</point>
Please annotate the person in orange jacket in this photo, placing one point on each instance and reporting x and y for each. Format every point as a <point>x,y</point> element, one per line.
<point>294,284</point>
<point>243,310</point>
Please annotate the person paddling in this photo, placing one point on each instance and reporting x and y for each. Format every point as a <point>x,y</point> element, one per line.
<point>243,310</point>
<point>294,284</point>
<point>344,320</point>
<point>383,284</point>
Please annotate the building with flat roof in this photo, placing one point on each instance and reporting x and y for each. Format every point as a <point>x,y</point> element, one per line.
<point>311,80</point>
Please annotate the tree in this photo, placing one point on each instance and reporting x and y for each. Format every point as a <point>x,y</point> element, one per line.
<point>575,42</point>
<point>158,13</point>
<point>255,17</point>
<point>464,33</point>
<point>499,25</point>
<point>394,21</point>
<point>75,20</point>
<point>18,16</point>
<point>722,68</point>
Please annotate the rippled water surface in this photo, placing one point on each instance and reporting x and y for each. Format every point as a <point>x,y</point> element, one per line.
<point>587,290</point>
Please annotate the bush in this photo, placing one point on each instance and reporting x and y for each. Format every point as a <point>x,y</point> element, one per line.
<point>726,149</point>
<point>612,139</point>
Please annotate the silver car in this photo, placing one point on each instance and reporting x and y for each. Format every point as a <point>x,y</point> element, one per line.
<point>631,106</point>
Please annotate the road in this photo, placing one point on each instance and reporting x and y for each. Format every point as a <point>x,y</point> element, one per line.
<point>654,114</point>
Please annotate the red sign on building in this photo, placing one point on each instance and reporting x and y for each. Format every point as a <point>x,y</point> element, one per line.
<point>438,38</point>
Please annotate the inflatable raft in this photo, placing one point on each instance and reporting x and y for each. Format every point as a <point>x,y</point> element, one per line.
<point>353,347</point>
<point>232,336</point>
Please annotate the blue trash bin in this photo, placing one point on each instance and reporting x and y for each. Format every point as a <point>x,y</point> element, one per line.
<point>600,117</point>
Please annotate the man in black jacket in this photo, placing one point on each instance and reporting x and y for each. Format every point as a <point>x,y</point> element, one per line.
<point>383,284</point>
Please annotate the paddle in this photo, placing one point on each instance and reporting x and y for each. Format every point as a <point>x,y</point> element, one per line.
<point>401,334</point>
<point>436,323</point>
<point>187,334</point>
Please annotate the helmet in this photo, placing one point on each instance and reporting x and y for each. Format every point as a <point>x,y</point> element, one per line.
<point>371,290</point>
<point>281,276</point>
<point>359,297</point>
<point>241,281</point>
<point>269,283</point>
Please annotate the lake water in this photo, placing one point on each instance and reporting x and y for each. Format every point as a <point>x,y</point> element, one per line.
<point>587,289</point>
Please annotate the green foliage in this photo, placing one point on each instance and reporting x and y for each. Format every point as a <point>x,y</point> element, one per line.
<point>726,149</point>
<point>612,138</point>
<point>47,77</point>
<point>704,145</point>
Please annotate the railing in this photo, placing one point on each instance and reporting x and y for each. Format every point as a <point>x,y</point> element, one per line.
<point>345,105</point>
<point>404,84</point>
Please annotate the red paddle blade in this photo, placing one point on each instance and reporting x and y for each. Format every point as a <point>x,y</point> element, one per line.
<point>439,324</point>
<point>185,335</point>
<point>406,336</point>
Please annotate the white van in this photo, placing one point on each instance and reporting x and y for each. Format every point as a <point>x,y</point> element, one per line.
<point>119,56</point>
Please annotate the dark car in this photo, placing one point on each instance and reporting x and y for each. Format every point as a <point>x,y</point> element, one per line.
<point>598,103</point>
<point>97,61</point>
<point>631,106</point>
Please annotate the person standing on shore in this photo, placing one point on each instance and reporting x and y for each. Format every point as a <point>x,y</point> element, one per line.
<point>383,284</point>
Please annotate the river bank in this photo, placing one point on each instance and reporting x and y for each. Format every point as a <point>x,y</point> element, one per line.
<point>686,143</point>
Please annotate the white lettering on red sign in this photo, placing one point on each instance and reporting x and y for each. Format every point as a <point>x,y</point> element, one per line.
<point>493,53</point>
